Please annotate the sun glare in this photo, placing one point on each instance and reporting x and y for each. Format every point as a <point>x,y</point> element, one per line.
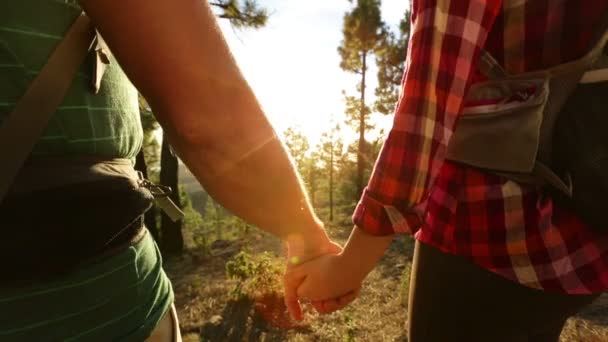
<point>294,67</point>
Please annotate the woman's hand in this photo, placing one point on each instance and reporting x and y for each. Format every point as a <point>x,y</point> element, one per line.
<point>333,280</point>
<point>330,282</point>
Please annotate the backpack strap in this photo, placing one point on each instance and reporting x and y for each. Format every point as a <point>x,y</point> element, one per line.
<point>26,123</point>
<point>102,60</point>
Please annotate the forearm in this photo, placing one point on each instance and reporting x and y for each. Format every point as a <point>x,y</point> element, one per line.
<point>333,276</point>
<point>239,160</point>
<point>363,251</point>
<point>261,186</point>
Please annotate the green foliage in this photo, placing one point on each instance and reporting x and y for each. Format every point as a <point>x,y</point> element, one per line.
<point>331,152</point>
<point>351,328</point>
<point>241,13</point>
<point>353,112</point>
<point>347,186</point>
<point>390,58</point>
<point>311,173</point>
<point>306,162</point>
<point>297,144</point>
<point>237,226</point>
<point>192,219</point>
<point>193,222</point>
<point>214,219</point>
<point>317,165</point>
<point>322,169</point>
<point>148,121</point>
<point>219,224</point>
<point>254,274</point>
<point>206,221</point>
<point>183,197</point>
<point>363,32</point>
<point>150,145</point>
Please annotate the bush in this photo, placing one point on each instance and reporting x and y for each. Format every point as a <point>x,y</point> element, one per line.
<point>254,274</point>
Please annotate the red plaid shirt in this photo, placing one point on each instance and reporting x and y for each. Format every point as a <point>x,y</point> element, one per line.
<point>510,229</point>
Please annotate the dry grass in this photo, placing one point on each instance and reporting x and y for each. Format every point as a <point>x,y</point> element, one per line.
<point>208,312</point>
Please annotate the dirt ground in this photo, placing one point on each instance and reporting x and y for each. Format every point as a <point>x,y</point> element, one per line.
<point>208,311</point>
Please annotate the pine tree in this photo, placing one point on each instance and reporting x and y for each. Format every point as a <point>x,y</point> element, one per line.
<point>364,32</point>
<point>331,152</point>
<point>297,145</point>
<point>241,14</point>
<point>305,160</point>
<point>311,173</point>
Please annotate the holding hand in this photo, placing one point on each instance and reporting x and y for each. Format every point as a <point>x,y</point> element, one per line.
<point>328,281</point>
<point>301,250</point>
<point>333,279</point>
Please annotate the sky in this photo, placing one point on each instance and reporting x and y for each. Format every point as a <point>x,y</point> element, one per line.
<point>293,65</point>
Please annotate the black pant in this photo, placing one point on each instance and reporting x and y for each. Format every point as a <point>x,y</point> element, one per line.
<point>452,299</point>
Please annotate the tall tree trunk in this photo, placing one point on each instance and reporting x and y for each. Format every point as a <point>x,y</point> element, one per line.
<point>150,216</point>
<point>361,155</point>
<point>331,178</point>
<point>172,240</point>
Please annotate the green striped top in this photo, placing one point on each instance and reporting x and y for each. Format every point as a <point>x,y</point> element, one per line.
<point>122,297</point>
<point>106,124</point>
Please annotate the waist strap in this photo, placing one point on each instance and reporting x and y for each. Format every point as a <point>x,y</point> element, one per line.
<point>64,210</point>
<point>41,174</point>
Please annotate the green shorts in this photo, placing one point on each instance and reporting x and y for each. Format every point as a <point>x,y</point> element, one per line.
<point>117,298</point>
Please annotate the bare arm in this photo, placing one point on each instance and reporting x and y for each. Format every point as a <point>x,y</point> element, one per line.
<point>363,251</point>
<point>174,53</point>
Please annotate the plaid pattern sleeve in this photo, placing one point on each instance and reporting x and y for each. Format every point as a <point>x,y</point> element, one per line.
<point>446,38</point>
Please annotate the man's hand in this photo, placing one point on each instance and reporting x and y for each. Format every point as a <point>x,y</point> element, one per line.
<point>300,250</point>
<point>327,281</point>
<point>333,280</point>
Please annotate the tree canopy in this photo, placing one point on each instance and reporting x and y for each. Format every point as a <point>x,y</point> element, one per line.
<point>241,13</point>
<point>363,31</point>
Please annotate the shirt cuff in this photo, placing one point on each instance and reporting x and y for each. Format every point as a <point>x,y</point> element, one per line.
<point>380,219</point>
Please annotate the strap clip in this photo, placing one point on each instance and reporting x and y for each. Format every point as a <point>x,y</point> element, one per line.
<point>161,195</point>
